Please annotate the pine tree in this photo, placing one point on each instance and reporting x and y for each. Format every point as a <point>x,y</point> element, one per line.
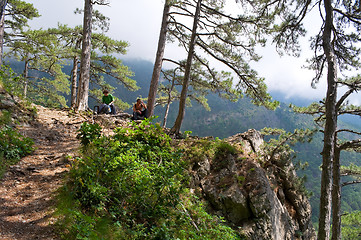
<point>2,19</point>
<point>43,80</point>
<point>159,58</point>
<point>200,86</point>
<point>103,63</point>
<point>14,17</point>
<point>84,79</point>
<point>335,48</point>
<point>182,101</point>
<point>342,107</point>
<point>220,36</point>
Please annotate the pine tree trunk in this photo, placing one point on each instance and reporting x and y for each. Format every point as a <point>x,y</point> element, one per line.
<point>187,72</point>
<point>25,75</point>
<point>74,79</point>
<point>336,197</point>
<point>158,60</point>
<point>330,127</point>
<point>84,79</point>
<point>168,103</point>
<point>2,28</point>
<point>166,114</point>
<point>2,7</point>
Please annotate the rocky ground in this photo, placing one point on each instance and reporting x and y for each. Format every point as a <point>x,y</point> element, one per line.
<point>28,188</point>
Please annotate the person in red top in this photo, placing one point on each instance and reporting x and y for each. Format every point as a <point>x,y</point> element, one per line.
<point>140,110</point>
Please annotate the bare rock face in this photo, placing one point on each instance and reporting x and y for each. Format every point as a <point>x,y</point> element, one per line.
<point>224,193</point>
<point>251,140</point>
<point>262,202</point>
<point>14,106</point>
<point>272,220</point>
<point>6,101</point>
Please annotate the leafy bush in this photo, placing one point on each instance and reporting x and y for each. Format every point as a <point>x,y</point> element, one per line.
<point>130,186</point>
<point>88,133</point>
<point>5,117</point>
<point>223,149</point>
<point>13,146</point>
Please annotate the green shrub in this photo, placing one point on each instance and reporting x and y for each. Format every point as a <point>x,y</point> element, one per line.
<point>13,146</point>
<point>130,186</point>
<point>223,149</point>
<point>88,133</point>
<point>5,117</point>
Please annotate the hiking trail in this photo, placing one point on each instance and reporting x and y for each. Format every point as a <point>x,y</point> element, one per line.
<point>28,188</point>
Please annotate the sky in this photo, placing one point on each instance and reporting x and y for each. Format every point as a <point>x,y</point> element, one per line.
<point>138,22</point>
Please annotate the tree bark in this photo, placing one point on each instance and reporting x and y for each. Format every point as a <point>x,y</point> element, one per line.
<point>84,79</point>
<point>74,79</point>
<point>168,103</point>
<point>25,75</point>
<point>187,72</point>
<point>158,60</point>
<point>166,114</point>
<point>336,196</point>
<point>330,126</point>
<point>2,6</point>
<point>2,28</point>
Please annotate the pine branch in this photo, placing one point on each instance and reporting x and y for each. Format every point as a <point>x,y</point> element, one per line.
<point>172,61</point>
<point>343,98</point>
<point>353,18</point>
<point>242,77</point>
<point>350,182</point>
<point>351,144</point>
<point>348,130</point>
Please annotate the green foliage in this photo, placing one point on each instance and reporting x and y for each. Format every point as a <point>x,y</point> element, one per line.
<point>10,80</point>
<point>224,148</point>
<point>279,152</point>
<point>88,133</point>
<point>41,52</point>
<point>130,186</point>
<point>13,146</point>
<point>351,225</point>
<point>5,118</point>
<point>352,169</point>
<point>18,13</point>
<point>194,151</point>
<point>282,146</point>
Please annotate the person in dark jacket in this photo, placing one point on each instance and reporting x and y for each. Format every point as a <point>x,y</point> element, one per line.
<point>140,110</point>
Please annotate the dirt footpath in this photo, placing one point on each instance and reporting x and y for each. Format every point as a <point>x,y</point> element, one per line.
<point>27,189</point>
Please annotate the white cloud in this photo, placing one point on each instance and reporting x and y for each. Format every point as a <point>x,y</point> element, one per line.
<point>137,22</point>
<point>53,12</point>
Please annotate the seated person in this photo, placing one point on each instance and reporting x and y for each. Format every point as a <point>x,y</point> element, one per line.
<point>140,110</point>
<point>107,102</point>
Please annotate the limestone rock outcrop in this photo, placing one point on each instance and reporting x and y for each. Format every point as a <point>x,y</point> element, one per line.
<point>13,105</point>
<point>263,202</point>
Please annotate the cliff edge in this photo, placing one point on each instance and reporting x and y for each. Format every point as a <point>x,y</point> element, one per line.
<point>262,200</point>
